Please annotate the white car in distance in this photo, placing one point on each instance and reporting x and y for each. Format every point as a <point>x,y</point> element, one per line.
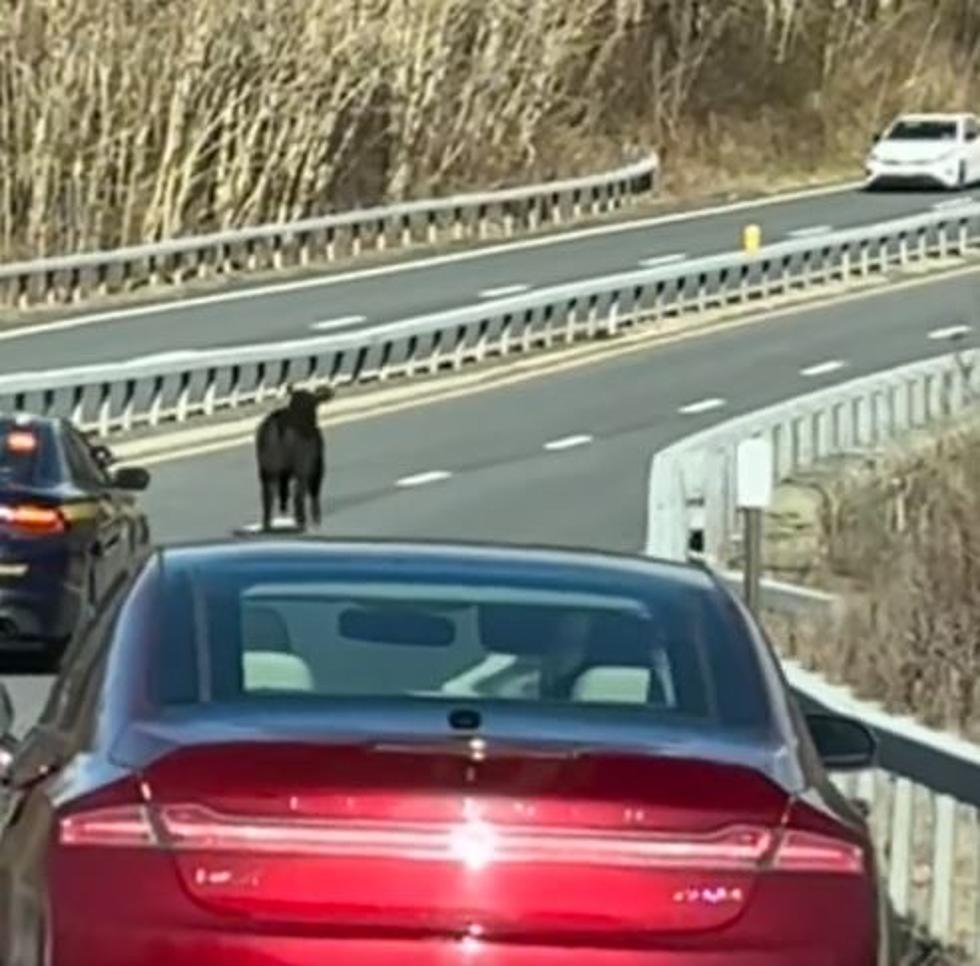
<point>926,150</point>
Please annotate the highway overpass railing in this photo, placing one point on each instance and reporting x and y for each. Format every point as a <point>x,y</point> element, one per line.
<point>178,386</point>
<point>925,796</point>
<point>71,279</point>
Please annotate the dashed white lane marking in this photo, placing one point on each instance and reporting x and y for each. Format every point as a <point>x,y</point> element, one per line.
<point>949,332</point>
<point>656,260</point>
<point>823,368</point>
<point>172,355</point>
<point>420,479</point>
<point>503,291</point>
<point>567,442</point>
<point>327,324</point>
<point>809,232</point>
<point>701,406</point>
<point>952,203</point>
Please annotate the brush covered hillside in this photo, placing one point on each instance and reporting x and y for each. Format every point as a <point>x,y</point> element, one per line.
<point>908,547</point>
<point>131,120</point>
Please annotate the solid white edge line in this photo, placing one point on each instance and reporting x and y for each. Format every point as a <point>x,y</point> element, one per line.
<point>420,479</point>
<point>327,324</point>
<point>823,368</point>
<point>567,442</point>
<point>701,406</point>
<point>279,288</point>
<point>504,290</point>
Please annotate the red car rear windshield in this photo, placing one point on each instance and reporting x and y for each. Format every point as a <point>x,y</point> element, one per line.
<point>262,631</point>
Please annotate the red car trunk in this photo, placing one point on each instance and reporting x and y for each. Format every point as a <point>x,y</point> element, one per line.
<point>547,847</point>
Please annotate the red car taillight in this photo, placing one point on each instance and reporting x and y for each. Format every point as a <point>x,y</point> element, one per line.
<point>190,828</point>
<point>33,520</point>
<point>276,846</point>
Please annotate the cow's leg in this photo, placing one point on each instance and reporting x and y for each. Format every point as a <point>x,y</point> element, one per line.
<point>315,484</point>
<point>283,491</point>
<point>266,483</point>
<point>299,501</point>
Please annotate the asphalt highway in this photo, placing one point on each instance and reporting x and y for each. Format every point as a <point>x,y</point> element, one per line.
<point>358,298</point>
<point>563,459</point>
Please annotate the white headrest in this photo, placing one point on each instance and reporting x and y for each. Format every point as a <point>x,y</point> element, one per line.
<point>621,684</point>
<point>273,670</point>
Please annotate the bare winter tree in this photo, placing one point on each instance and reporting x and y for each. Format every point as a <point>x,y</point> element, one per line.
<point>124,121</point>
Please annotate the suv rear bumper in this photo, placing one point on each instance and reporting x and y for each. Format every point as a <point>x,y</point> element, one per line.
<point>34,614</point>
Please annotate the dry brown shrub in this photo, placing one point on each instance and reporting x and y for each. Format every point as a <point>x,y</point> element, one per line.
<point>127,120</point>
<point>912,638</point>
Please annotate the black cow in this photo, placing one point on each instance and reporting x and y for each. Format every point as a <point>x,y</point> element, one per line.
<point>290,452</point>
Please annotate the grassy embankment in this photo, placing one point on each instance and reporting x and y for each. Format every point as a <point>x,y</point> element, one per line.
<point>904,546</point>
<point>123,121</point>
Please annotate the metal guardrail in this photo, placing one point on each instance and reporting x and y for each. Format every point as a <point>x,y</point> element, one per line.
<point>480,215</point>
<point>179,386</point>
<point>928,845</point>
<point>925,797</point>
<point>696,475</point>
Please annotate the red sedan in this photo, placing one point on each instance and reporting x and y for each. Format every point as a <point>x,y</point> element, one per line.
<point>302,752</point>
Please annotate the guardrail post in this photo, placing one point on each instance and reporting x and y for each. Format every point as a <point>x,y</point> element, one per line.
<point>591,319</point>
<point>105,402</point>
<point>900,852</point>
<point>865,250</point>
<point>571,322</point>
<point>210,389</point>
<point>126,418</point>
<point>944,843</point>
<point>753,495</point>
<point>506,332</point>
<point>612,316</point>
<point>156,401</point>
<point>556,213</point>
<point>78,405</point>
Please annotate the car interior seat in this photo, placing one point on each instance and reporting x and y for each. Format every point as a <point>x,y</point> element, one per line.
<point>269,661</point>
<point>276,671</point>
<point>618,684</point>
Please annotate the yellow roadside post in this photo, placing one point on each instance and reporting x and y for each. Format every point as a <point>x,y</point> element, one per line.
<point>751,239</point>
